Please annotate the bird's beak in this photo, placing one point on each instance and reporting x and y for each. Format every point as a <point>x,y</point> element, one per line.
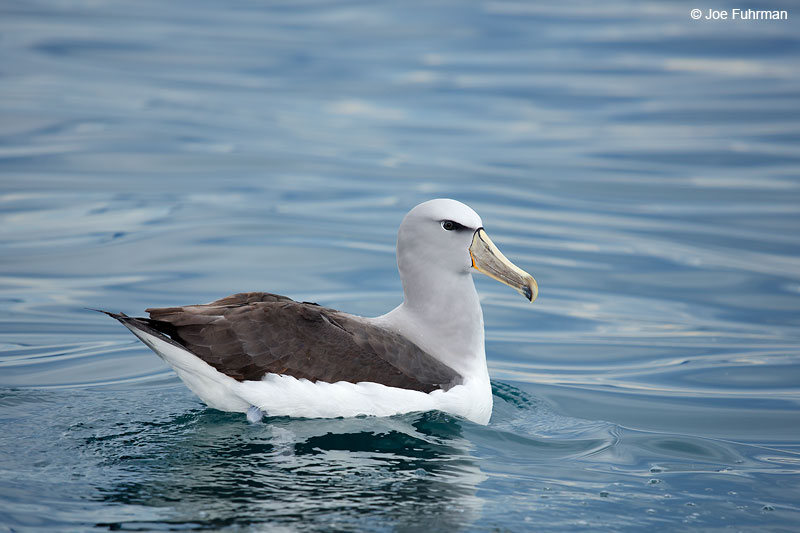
<point>488,259</point>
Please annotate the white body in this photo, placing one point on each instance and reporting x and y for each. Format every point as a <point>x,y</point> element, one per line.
<point>279,395</point>
<point>441,314</point>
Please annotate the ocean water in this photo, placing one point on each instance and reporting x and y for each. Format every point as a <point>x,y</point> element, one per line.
<point>644,166</point>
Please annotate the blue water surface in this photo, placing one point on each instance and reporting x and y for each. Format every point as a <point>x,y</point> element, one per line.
<point>644,166</point>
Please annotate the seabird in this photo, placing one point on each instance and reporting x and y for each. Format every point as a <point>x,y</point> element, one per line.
<point>262,353</point>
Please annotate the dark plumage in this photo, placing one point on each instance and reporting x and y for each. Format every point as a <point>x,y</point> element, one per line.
<point>248,335</point>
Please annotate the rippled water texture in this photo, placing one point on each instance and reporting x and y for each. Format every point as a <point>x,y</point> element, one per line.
<point>642,165</point>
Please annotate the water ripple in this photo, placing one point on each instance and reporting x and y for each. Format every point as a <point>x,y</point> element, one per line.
<point>642,165</point>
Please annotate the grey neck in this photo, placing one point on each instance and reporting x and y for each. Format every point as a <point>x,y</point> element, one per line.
<point>443,316</point>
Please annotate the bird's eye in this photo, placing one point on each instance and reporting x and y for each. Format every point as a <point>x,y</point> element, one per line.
<point>451,225</point>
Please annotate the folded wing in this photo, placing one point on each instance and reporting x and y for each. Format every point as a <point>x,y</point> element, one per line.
<point>248,335</point>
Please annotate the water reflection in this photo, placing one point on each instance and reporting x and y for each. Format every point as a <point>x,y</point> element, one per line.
<point>214,469</point>
<point>643,166</point>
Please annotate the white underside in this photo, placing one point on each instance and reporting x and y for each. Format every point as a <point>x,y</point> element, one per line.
<point>281,395</point>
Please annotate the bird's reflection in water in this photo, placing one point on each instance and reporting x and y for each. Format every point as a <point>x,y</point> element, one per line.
<point>210,469</point>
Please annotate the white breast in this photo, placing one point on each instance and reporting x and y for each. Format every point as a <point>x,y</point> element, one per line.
<point>281,395</point>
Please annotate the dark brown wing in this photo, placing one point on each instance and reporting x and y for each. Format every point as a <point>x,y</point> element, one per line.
<point>251,334</point>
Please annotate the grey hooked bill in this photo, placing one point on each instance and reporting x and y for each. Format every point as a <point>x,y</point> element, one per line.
<point>487,258</point>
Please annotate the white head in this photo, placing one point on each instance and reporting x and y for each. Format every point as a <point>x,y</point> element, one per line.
<point>439,244</point>
<point>441,240</point>
<point>437,234</point>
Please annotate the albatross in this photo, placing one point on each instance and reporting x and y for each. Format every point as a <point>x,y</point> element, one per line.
<point>265,354</point>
